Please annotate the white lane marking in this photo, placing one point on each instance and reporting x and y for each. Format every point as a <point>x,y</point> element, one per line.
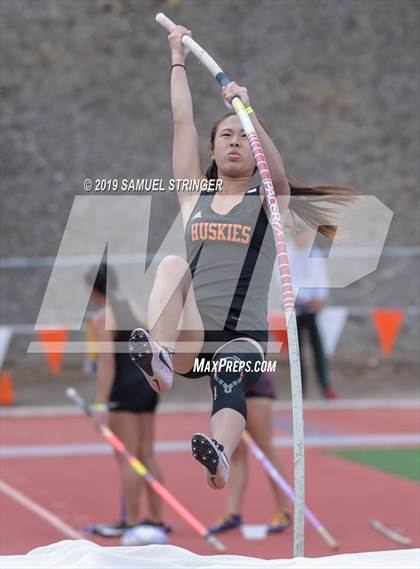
<point>40,511</point>
<point>345,404</point>
<point>318,441</point>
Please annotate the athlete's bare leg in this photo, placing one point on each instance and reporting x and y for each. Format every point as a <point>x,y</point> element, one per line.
<point>238,479</point>
<point>227,426</point>
<point>259,426</point>
<point>174,319</point>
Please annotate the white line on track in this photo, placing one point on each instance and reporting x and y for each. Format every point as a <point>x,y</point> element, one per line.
<point>342,404</point>
<point>40,511</point>
<point>317,441</point>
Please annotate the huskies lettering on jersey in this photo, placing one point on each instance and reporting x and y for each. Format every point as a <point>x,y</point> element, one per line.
<point>233,232</point>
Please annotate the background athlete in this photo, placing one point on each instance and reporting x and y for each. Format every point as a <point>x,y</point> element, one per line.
<point>132,415</point>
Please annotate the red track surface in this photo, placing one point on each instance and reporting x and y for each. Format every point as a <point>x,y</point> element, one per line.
<point>84,489</point>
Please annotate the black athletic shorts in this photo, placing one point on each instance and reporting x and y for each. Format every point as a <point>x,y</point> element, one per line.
<point>263,388</point>
<point>218,339</point>
<point>132,393</point>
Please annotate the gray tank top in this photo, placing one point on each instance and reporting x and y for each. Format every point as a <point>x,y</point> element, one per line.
<point>231,257</point>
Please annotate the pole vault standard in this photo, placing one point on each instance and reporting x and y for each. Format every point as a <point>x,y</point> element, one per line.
<point>141,470</point>
<point>286,283</point>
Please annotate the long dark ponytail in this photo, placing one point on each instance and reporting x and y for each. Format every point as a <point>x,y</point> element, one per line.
<point>317,206</point>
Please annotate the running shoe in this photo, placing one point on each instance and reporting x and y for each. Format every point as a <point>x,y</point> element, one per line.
<point>226,522</point>
<point>108,530</point>
<point>279,523</point>
<point>153,360</point>
<point>161,525</point>
<point>210,454</point>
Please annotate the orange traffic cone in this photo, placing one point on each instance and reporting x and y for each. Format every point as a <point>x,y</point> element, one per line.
<point>7,394</point>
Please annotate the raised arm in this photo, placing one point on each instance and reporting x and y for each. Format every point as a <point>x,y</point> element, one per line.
<point>186,156</point>
<point>272,155</point>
